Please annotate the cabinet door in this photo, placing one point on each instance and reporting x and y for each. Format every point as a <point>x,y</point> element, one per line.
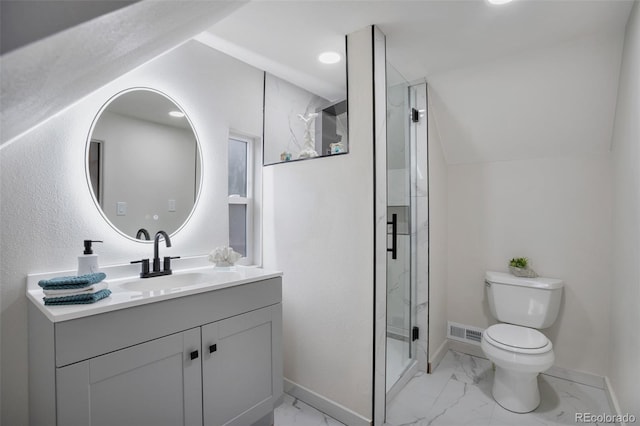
<point>154,383</point>
<point>242,367</point>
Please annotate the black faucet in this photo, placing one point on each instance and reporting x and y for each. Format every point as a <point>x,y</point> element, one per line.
<point>156,272</point>
<point>142,232</point>
<point>156,257</point>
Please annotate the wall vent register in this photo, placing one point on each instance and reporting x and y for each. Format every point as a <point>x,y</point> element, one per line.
<point>464,333</point>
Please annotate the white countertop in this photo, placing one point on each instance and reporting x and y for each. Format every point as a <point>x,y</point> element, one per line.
<point>131,290</point>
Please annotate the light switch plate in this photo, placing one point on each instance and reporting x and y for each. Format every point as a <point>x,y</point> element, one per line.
<point>121,208</point>
<point>172,205</point>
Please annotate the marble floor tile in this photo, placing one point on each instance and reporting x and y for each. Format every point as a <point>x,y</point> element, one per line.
<point>416,398</point>
<point>292,411</point>
<point>459,393</point>
<point>560,400</point>
<point>461,383</point>
<point>461,403</point>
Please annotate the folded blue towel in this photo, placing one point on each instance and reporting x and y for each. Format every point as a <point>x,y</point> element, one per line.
<point>60,283</point>
<point>77,299</point>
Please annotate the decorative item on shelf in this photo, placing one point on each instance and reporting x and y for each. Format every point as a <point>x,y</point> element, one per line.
<point>336,148</point>
<point>519,266</point>
<point>285,156</point>
<point>224,256</point>
<point>308,149</point>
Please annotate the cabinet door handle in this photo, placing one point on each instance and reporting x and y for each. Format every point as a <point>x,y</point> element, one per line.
<point>194,355</point>
<point>213,348</point>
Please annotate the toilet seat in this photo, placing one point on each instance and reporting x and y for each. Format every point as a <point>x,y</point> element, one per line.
<point>519,355</point>
<point>517,339</point>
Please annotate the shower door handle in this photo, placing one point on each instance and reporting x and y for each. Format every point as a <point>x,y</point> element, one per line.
<point>394,236</point>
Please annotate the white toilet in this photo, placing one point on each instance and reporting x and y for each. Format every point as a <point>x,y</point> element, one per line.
<point>518,351</point>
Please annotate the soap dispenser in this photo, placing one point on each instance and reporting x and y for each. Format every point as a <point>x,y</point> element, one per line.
<point>88,262</point>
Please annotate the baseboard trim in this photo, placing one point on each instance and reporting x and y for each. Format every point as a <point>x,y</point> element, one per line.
<point>613,399</point>
<point>575,376</point>
<point>325,405</point>
<point>437,356</point>
<point>466,348</point>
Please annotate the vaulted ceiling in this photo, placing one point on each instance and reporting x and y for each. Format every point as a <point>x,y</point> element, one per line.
<point>44,77</point>
<point>528,79</point>
<point>424,37</point>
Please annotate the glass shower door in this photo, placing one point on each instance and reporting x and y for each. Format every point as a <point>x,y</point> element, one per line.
<point>400,215</point>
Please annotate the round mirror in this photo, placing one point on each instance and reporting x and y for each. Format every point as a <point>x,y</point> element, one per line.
<point>143,163</point>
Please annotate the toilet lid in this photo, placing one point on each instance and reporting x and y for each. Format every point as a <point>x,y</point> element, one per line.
<point>517,337</point>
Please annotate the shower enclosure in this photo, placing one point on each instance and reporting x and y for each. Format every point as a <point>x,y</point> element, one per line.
<point>403,118</point>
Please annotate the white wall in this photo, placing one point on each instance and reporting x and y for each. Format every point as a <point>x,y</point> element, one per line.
<point>549,102</point>
<point>526,138</point>
<point>318,221</point>
<point>556,212</point>
<point>437,240</point>
<point>309,208</point>
<point>47,209</point>
<point>624,369</point>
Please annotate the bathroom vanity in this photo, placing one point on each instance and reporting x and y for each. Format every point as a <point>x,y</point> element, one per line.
<point>200,347</point>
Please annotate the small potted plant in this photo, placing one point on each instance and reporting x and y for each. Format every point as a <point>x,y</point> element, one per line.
<point>519,266</point>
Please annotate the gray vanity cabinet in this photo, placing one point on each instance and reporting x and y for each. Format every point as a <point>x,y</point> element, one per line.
<point>238,352</point>
<point>154,383</point>
<point>211,359</point>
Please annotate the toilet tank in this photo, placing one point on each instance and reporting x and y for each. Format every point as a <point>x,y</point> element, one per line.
<point>530,302</point>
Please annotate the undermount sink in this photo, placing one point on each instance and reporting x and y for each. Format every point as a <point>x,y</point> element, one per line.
<point>167,282</point>
<point>176,281</point>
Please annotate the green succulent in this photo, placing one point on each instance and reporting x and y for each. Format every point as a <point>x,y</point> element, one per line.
<point>519,262</point>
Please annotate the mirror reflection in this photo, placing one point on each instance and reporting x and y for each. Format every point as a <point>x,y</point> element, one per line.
<point>143,163</point>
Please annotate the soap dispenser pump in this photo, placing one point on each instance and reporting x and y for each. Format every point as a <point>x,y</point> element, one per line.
<point>88,262</point>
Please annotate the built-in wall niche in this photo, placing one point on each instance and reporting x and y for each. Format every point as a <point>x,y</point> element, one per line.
<point>301,125</point>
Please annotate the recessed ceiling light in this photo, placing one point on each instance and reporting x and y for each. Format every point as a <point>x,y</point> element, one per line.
<point>499,2</point>
<point>329,57</point>
<point>178,114</point>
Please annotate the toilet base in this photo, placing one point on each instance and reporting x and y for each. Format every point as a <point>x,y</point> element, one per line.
<point>516,391</point>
